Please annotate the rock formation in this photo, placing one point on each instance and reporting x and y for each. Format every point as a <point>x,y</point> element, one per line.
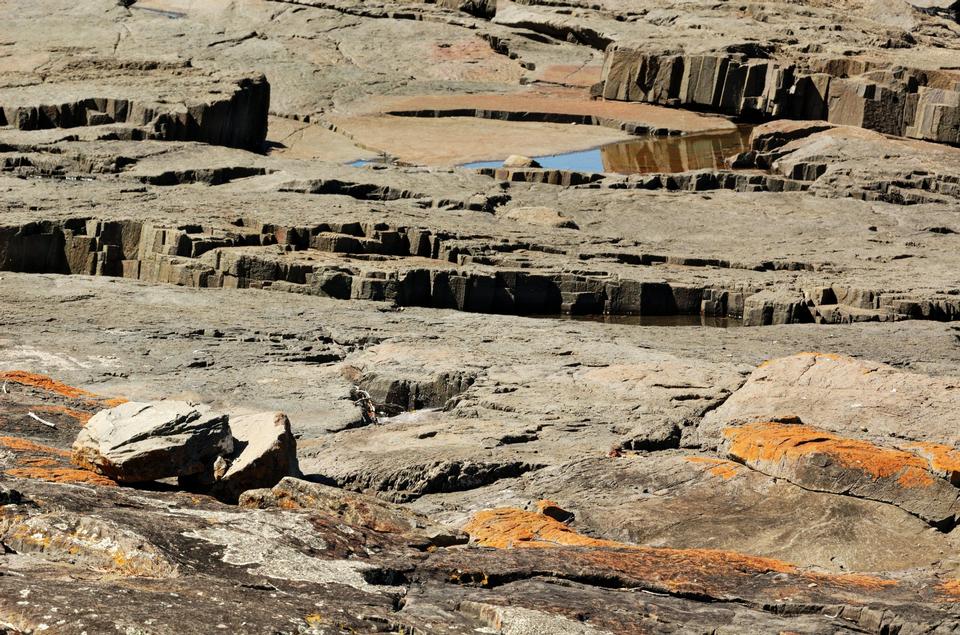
<point>137,442</point>
<point>697,375</point>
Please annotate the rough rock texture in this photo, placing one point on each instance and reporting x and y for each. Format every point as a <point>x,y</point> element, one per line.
<point>137,442</point>
<point>597,368</point>
<point>264,451</point>
<point>355,509</point>
<point>818,460</point>
<point>851,397</point>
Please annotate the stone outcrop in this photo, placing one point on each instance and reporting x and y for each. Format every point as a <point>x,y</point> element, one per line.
<point>845,396</point>
<point>265,451</point>
<point>228,111</point>
<point>353,508</point>
<point>139,442</point>
<point>818,460</point>
<point>906,102</point>
<point>548,348</point>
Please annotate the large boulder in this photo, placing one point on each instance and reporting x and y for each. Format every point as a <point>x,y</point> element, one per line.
<point>850,397</point>
<point>821,461</point>
<point>265,451</point>
<point>138,442</point>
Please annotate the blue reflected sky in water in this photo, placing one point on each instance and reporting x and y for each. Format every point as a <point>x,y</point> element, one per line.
<point>583,161</point>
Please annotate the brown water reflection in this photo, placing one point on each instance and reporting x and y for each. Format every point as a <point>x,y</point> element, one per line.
<point>675,154</point>
<point>652,320</point>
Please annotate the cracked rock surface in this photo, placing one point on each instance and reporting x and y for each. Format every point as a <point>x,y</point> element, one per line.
<point>720,400</point>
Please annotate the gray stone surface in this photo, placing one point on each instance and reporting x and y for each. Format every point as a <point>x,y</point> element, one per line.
<point>137,442</point>
<point>264,452</point>
<point>670,401</point>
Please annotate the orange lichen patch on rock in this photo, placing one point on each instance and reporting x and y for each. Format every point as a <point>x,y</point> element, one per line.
<point>45,463</point>
<point>951,588</point>
<point>769,442</point>
<point>61,475</point>
<point>508,528</point>
<point>943,460</point>
<point>23,445</point>
<point>863,581</point>
<point>718,467</point>
<point>719,574</point>
<point>43,382</point>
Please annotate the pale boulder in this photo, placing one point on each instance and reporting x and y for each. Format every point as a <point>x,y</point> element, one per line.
<point>139,442</point>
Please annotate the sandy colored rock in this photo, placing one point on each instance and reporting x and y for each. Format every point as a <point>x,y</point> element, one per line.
<point>546,216</point>
<point>520,161</point>
<point>264,452</point>
<point>849,397</point>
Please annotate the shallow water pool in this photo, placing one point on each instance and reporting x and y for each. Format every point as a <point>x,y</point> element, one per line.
<point>706,150</point>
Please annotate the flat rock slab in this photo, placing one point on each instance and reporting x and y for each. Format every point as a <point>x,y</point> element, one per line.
<point>840,394</point>
<point>818,460</point>
<point>139,442</point>
<point>693,501</point>
<point>357,509</point>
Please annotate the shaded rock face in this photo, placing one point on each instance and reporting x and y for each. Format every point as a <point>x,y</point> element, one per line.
<point>139,442</point>
<point>264,451</point>
<point>904,102</point>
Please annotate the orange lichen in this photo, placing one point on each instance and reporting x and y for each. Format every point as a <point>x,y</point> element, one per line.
<point>507,528</point>
<point>951,588</point>
<point>43,382</point>
<point>770,442</point>
<point>864,581</point>
<point>61,475</point>
<point>678,570</point>
<point>942,459</point>
<point>23,445</point>
<point>42,462</point>
<point>718,467</point>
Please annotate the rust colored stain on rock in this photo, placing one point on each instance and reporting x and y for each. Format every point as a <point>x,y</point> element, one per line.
<point>710,571</point>
<point>951,588</point>
<point>508,528</point>
<point>38,461</point>
<point>718,467</point>
<point>942,459</point>
<point>770,442</point>
<point>43,382</point>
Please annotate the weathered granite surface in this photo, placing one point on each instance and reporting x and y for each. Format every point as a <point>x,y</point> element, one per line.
<point>714,400</point>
